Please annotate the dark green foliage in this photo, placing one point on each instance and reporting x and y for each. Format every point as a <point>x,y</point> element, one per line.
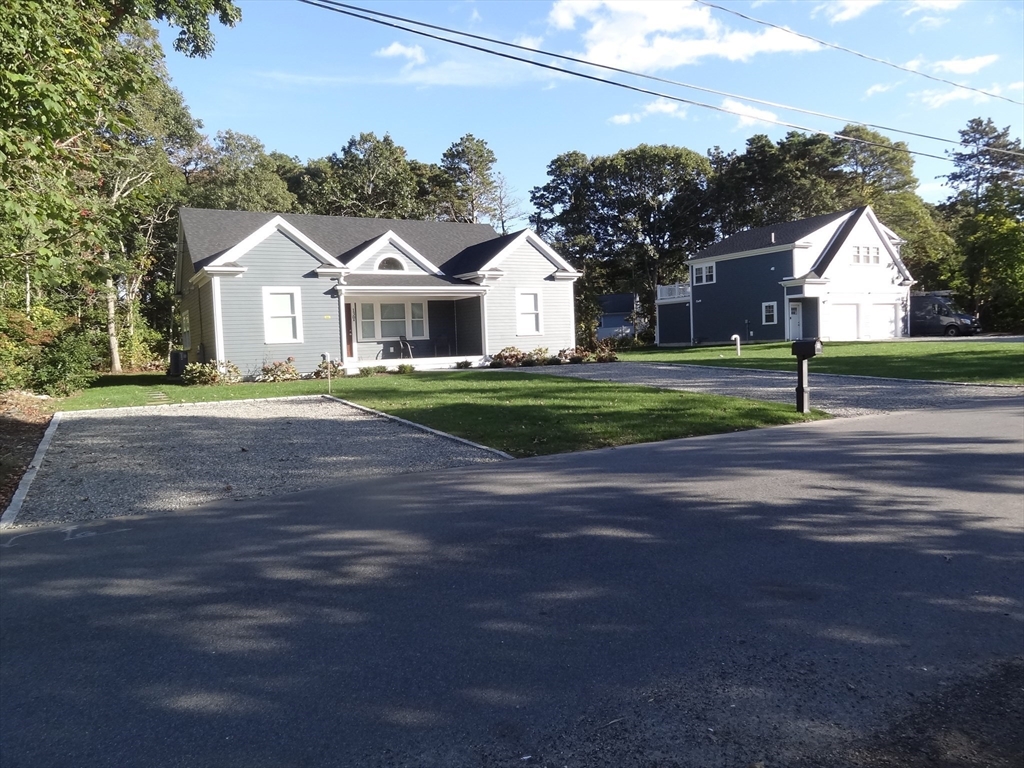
<point>464,364</point>
<point>405,368</point>
<point>68,363</point>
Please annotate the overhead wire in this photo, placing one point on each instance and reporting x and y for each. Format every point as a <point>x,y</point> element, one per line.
<point>655,78</point>
<point>844,49</point>
<point>344,9</point>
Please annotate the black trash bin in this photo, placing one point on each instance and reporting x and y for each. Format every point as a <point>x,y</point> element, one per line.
<point>179,359</point>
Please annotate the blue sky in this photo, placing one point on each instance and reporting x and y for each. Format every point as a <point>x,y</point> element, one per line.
<point>304,80</point>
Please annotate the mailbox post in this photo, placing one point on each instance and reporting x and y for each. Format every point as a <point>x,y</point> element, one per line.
<point>804,350</point>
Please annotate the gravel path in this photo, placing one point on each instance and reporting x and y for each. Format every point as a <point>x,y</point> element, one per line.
<point>129,461</point>
<point>838,395</point>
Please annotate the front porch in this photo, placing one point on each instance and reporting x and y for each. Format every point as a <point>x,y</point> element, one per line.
<point>430,332</point>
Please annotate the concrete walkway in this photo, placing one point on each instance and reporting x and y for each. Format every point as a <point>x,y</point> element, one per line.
<point>766,597</point>
<point>838,395</point>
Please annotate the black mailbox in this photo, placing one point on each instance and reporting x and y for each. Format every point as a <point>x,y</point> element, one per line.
<point>807,348</point>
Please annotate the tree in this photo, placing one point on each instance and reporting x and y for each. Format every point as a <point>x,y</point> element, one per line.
<point>507,206</point>
<point>469,162</point>
<point>240,176</point>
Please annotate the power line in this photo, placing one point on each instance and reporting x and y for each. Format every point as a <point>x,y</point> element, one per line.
<point>330,5</point>
<point>856,53</point>
<point>644,76</point>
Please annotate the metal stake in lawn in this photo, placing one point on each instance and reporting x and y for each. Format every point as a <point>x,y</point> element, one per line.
<point>326,357</point>
<point>804,351</point>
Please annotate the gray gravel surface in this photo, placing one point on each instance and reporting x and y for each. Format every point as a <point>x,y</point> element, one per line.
<point>838,395</point>
<point>130,461</point>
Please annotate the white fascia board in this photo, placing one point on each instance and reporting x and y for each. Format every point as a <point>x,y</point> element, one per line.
<point>390,238</point>
<point>481,277</point>
<point>204,275</point>
<point>744,254</point>
<point>531,237</point>
<point>382,290</point>
<point>276,224</point>
<point>790,282</point>
<point>677,300</point>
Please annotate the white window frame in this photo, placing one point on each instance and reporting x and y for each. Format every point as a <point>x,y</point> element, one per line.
<point>703,272</point>
<point>296,294</point>
<point>774,310</point>
<point>360,336</point>
<point>538,312</point>
<point>385,257</point>
<point>186,330</point>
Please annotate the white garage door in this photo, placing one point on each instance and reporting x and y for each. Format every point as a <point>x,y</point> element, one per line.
<point>882,321</point>
<point>843,322</point>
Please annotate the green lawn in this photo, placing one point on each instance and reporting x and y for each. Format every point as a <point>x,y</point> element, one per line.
<point>522,414</point>
<point>993,362</point>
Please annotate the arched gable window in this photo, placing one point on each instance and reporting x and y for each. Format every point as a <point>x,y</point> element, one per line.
<point>391,263</point>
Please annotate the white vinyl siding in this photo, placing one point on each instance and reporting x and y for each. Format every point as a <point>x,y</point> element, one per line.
<point>769,313</point>
<point>390,319</point>
<point>528,314</point>
<point>282,315</point>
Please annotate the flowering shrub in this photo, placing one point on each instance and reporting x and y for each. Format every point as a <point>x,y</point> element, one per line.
<point>539,356</point>
<point>509,356</point>
<point>201,374</point>
<point>279,371</point>
<point>574,355</point>
<point>320,372</point>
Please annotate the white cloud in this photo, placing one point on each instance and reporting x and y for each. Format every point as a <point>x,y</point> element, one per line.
<point>915,63</point>
<point>839,11</point>
<point>929,22</point>
<point>879,88</point>
<point>1018,86</point>
<point>529,42</point>
<point>657,107</point>
<point>932,5</point>
<point>959,66</point>
<point>934,99</point>
<point>648,36</point>
<point>748,115</point>
<point>413,53</point>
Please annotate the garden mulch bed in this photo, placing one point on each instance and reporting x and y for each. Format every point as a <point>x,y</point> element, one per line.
<point>23,420</point>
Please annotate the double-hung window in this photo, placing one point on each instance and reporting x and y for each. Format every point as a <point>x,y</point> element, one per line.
<point>186,330</point>
<point>391,319</point>
<point>769,313</point>
<point>282,315</point>
<point>704,274</point>
<point>528,314</point>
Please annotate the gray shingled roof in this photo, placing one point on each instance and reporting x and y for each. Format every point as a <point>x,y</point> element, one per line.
<point>397,279</point>
<point>476,256</point>
<point>761,237</point>
<point>209,233</point>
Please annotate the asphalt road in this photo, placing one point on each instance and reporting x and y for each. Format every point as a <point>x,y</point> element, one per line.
<point>719,601</point>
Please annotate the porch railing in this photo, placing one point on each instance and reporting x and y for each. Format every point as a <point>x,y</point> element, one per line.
<point>674,291</point>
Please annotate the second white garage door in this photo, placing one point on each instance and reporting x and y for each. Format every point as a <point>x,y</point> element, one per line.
<point>843,322</point>
<point>882,321</point>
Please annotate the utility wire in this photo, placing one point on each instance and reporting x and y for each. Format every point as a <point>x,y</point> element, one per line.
<point>667,81</point>
<point>329,5</point>
<point>855,53</point>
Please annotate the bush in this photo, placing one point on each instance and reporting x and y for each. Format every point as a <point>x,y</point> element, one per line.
<point>320,372</point>
<point>65,365</point>
<point>510,356</point>
<point>538,357</point>
<point>372,370</point>
<point>406,368</point>
<point>605,353</point>
<point>574,355</point>
<point>205,374</point>
<point>464,364</point>
<point>22,338</point>
<point>497,364</point>
<point>556,360</point>
<point>279,371</point>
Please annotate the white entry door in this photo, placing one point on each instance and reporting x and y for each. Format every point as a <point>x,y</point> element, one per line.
<point>796,320</point>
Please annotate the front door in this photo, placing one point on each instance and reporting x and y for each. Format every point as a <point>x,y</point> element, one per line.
<point>796,320</point>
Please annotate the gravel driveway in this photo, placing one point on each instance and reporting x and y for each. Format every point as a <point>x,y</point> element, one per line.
<point>129,461</point>
<point>838,395</point>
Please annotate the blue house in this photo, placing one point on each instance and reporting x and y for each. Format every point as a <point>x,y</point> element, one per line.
<point>252,288</point>
<point>618,312</point>
<point>837,277</point>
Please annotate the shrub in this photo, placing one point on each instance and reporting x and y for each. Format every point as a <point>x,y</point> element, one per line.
<point>406,368</point>
<point>464,364</point>
<point>538,357</point>
<point>497,364</point>
<point>67,364</point>
<point>205,374</point>
<point>605,353</point>
<point>510,356</point>
<point>279,371</point>
<point>320,372</point>
<point>556,360</point>
<point>372,370</point>
<point>574,355</point>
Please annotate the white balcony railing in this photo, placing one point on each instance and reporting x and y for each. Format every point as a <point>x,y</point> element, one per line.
<point>675,291</point>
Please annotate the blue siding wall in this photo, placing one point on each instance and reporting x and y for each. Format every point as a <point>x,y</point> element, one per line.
<point>674,323</point>
<point>278,261</point>
<point>721,308</point>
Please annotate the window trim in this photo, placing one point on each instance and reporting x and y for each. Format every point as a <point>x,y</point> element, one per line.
<point>186,331</point>
<point>360,337</point>
<point>385,257</point>
<point>775,312</point>
<point>701,271</point>
<point>539,312</point>
<point>296,293</point>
